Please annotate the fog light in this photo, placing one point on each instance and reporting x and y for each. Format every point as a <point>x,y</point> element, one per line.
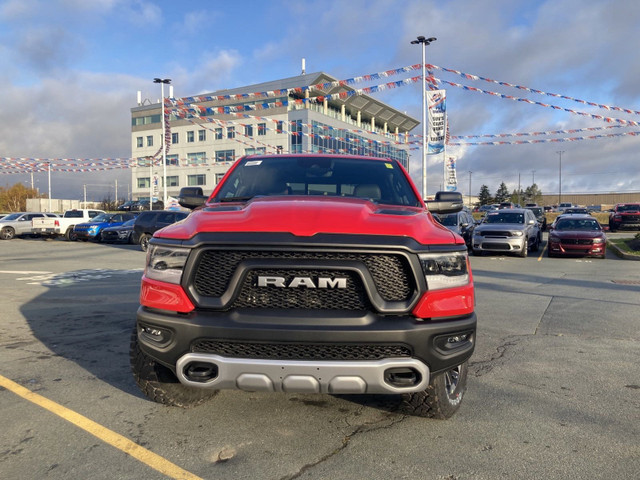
<point>456,341</point>
<point>159,336</point>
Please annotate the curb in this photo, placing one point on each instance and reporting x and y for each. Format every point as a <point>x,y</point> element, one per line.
<point>620,253</point>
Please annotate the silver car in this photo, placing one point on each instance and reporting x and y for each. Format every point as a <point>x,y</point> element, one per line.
<point>514,230</point>
<point>18,224</point>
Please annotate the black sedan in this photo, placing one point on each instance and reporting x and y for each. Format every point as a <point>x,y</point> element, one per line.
<point>119,234</point>
<point>461,222</point>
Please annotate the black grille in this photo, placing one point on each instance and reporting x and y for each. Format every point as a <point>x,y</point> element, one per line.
<point>391,272</point>
<point>304,351</point>
<point>496,246</point>
<point>577,241</point>
<point>495,233</point>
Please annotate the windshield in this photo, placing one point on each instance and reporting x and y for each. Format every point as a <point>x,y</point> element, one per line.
<point>504,217</point>
<point>449,220</point>
<point>628,208</point>
<point>102,217</point>
<point>129,223</point>
<point>378,181</point>
<point>572,224</point>
<point>536,211</point>
<point>11,216</point>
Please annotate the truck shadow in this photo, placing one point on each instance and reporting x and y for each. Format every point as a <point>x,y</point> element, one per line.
<point>86,316</point>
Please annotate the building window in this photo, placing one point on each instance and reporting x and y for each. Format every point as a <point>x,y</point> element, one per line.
<point>219,134</point>
<point>144,182</point>
<point>174,138</point>
<point>149,140</point>
<point>231,132</point>
<point>190,137</point>
<point>196,180</point>
<point>173,159</point>
<point>139,142</point>
<point>255,151</point>
<point>262,129</point>
<point>198,157</point>
<point>279,126</point>
<point>219,177</point>
<point>296,136</point>
<point>248,130</point>
<point>202,135</point>
<point>225,155</point>
<point>172,181</point>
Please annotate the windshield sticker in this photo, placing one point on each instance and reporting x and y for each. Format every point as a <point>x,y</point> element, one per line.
<point>389,165</point>
<point>251,163</point>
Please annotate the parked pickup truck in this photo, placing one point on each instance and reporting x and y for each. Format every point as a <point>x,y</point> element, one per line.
<point>308,274</point>
<point>55,227</point>
<point>625,215</point>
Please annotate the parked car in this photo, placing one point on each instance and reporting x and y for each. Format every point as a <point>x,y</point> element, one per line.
<point>119,233</point>
<point>143,205</point>
<point>625,215</point>
<point>509,230</point>
<point>126,206</point>
<point>540,216</point>
<point>19,224</point>
<point>575,211</point>
<point>486,208</point>
<point>93,230</point>
<point>507,205</point>
<point>149,222</point>
<point>461,223</point>
<point>562,206</point>
<point>577,235</point>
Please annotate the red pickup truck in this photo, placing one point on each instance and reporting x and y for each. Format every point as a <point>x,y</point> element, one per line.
<point>625,215</point>
<point>313,274</point>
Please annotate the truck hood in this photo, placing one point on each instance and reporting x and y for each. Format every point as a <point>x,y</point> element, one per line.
<point>307,216</point>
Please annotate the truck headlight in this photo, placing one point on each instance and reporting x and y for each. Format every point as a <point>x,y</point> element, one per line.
<point>598,240</point>
<point>445,270</point>
<point>165,263</point>
<point>517,233</point>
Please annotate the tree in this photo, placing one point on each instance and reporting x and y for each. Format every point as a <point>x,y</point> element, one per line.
<point>533,194</point>
<point>14,198</point>
<point>484,197</point>
<point>502,194</point>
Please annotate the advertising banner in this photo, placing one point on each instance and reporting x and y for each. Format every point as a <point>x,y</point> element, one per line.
<point>436,102</point>
<point>450,179</point>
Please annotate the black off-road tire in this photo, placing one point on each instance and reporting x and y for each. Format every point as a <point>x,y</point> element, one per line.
<point>159,384</point>
<point>144,241</point>
<point>443,396</point>
<point>70,235</point>
<point>7,233</point>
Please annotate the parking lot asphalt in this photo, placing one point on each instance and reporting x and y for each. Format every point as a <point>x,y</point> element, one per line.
<point>553,391</point>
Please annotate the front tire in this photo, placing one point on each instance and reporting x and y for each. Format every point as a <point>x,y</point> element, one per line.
<point>7,233</point>
<point>525,248</point>
<point>70,235</point>
<point>144,241</point>
<point>158,383</point>
<point>443,396</point>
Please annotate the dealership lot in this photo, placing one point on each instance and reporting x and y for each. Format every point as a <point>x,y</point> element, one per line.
<point>554,388</point>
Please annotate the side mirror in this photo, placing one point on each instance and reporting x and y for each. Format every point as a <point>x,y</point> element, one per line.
<point>445,202</point>
<point>464,225</point>
<point>191,197</point>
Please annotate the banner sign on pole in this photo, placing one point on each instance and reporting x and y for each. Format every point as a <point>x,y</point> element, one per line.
<point>436,101</point>
<point>451,181</point>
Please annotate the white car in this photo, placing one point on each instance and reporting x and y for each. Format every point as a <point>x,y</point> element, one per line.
<point>19,224</point>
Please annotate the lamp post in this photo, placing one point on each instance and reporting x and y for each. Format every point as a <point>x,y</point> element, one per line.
<point>424,42</point>
<point>560,178</point>
<point>470,172</point>
<point>162,82</point>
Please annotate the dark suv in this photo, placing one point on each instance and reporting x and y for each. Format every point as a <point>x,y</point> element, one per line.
<point>148,222</point>
<point>540,216</point>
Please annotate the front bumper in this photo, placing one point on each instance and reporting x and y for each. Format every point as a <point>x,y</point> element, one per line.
<point>305,351</point>
<point>558,248</point>
<point>498,244</point>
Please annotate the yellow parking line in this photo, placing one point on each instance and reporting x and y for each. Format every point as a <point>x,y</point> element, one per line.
<point>542,253</point>
<point>108,436</point>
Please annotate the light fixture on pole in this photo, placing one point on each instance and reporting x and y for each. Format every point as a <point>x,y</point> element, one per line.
<point>162,82</point>
<point>560,178</point>
<point>424,41</point>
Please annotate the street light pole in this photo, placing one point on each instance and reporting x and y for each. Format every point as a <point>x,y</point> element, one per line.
<point>424,41</point>
<point>560,178</point>
<point>162,82</point>
<point>470,172</point>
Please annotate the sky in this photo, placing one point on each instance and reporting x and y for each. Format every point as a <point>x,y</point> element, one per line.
<point>71,69</point>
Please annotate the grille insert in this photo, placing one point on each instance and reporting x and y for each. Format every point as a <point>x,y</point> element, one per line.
<point>303,351</point>
<point>391,272</point>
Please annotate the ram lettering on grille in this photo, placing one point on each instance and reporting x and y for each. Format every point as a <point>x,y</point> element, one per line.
<point>322,282</point>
